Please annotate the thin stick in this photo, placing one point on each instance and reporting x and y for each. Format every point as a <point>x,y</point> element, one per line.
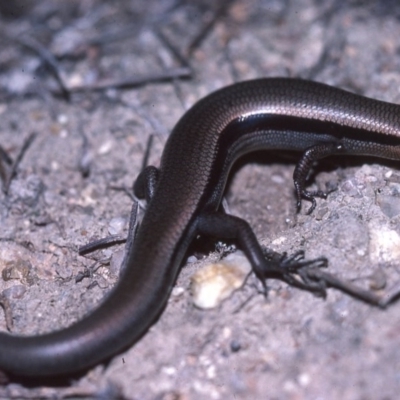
<point>100,244</point>
<point>182,72</point>
<point>346,287</point>
<point>49,60</point>
<point>206,29</point>
<point>114,239</point>
<point>13,170</point>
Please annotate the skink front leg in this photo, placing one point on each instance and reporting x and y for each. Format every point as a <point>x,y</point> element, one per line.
<point>143,187</point>
<point>303,167</point>
<point>146,183</point>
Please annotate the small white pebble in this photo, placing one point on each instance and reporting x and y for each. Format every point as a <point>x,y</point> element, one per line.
<point>384,245</point>
<point>75,80</point>
<point>191,259</point>
<point>304,379</point>
<point>177,291</point>
<point>278,179</point>
<point>211,372</point>
<point>216,282</point>
<point>63,133</point>
<point>107,253</point>
<point>279,241</point>
<point>105,147</point>
<point>62,119</point>
<point>169,370</point>
<point>388,174</point>
<point>55,166</point>
<point>116,225</point>
<point>227,333</point>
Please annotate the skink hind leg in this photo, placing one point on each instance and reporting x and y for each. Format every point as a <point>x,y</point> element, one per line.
<point>303,167</point>
<point>296,264</point>
<point>314,278</point>
<point>294,270</point>
<point>265,264</point>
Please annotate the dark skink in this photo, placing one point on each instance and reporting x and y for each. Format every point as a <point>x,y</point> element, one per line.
<point>183,200</point>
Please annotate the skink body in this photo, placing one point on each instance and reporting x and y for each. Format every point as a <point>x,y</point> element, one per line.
<point>282,114</point>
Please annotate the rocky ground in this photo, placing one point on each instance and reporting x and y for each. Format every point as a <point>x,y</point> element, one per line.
<point>89,82</point>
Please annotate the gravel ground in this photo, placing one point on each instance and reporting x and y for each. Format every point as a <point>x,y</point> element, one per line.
<point>292,345</point>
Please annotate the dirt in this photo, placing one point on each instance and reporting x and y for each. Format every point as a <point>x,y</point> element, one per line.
<point>290,345</point>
